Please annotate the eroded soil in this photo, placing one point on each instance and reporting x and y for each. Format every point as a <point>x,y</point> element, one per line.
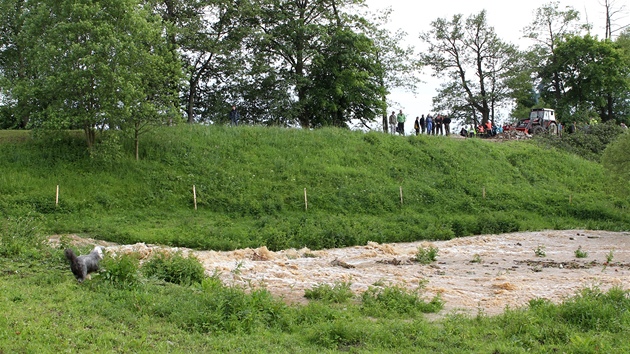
<point>484,273</point>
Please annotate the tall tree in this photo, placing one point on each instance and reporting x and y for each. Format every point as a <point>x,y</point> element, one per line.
<point>95,63</point>
<point>611,13</point>
<point>209,36</point>
<point>291,34</point>
<point>13,66</point>
<point>550,25</point>
<point>344,81</point>
<point>470,54</point>
<point>595,75</point>
<point>400,69</point>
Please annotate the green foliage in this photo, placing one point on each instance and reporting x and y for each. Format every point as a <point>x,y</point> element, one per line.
<point>174,268</point>
<point>338,293</point>
<point>426,255</point>
<point>539,251</point>
<point>609,257</point>
<point>580,253</point>
<point>589,141</point>
<point>593,75</point>
<point>121,271</point>
<point>159,316</point>
<point>94,65</point>
<point>396,301</point>
<point>617,160</point>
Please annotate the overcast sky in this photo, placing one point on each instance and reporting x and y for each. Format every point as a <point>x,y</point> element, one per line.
<point>507,17</point>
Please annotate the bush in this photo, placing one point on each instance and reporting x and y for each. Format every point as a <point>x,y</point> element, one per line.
<point>588,142</point>
<point>175,269</point>
<point>616,159</point>
<point>381,302</point>
<point>120,271</point>
<point>426,255</point>
<point>338,293</point>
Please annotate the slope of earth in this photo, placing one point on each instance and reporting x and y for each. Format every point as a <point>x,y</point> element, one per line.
<point>476,274</point>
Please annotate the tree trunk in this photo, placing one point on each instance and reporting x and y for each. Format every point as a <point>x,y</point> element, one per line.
<point>136,141</point>
<point>191,101</point>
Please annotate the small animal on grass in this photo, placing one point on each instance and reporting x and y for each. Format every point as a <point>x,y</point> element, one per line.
<point>83,265</point>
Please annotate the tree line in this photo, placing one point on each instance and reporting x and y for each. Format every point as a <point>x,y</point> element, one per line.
<point>132,64</point>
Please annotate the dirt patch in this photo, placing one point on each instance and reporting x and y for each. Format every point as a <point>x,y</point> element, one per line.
<point>484,273</point>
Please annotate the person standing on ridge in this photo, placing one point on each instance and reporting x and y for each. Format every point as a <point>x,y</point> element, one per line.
<point>447,125</point>
<point>422,124</point>
<point>392,123</point>
<point>234,116</point>
<point>429,124</point>
<point>401,122</point>
<point>416,125</point>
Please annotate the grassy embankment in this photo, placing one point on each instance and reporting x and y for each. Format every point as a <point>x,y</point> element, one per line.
<point>250,184</point>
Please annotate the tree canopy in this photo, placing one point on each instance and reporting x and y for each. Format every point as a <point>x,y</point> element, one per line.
<point>129,65</point>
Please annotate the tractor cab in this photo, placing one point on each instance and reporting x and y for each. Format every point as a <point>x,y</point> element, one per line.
<point>540,120</point>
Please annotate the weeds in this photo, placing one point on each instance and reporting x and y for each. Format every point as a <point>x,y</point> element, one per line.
<point>395,300</point>
<point>338,293</point>
<point>579,253</point>
<point>426,255</point>
<point>609,257</point>
<point>120,271</point>
<point>539,251</point>
<point>21,237</point>
<point>175,268</point>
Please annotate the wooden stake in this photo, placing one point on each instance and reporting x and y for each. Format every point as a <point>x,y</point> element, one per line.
<point>57,197</point>
<point>484,192</point>
<point>195,196</point>
<point>401,196</point>
<point>570,198</point>
<point>305,200</point>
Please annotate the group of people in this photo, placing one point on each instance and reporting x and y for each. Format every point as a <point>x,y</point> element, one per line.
<point>487,129</point>
<point>430,125</point>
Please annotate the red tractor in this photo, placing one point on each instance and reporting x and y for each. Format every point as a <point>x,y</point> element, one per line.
<point>541,120</point>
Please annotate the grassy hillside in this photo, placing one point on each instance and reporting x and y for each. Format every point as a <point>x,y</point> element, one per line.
<point>250,185</point>
<point>250,191</point>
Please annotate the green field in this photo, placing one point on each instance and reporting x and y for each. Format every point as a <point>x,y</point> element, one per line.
<point>250,185</point>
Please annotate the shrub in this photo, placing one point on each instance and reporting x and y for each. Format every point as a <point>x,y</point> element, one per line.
<point>588,142</point>
<point>426,255</point>
<point>580,253</point>
<point>338,293</point>
<point>120,271</point>
<point>380,302</point>
<point>539,251</point>
<point>593,310</point>
<point>175,269</point>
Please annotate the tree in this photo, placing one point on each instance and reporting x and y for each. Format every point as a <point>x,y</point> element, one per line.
<point>344,81</point>
<point>290,34</point>
<point>209,35</point>
<point>400,69</point>
<point>611,12</point>
<point>477,63</point>
<point>549,26</point>
<point>13,66</point>
<point>97,65</point>
<point>594,75</point>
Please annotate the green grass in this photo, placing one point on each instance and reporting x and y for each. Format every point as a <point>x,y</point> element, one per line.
<point>250,184</point>
<point>45,310</point>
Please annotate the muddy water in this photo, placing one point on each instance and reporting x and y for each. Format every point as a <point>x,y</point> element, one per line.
<point>473,274</point>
